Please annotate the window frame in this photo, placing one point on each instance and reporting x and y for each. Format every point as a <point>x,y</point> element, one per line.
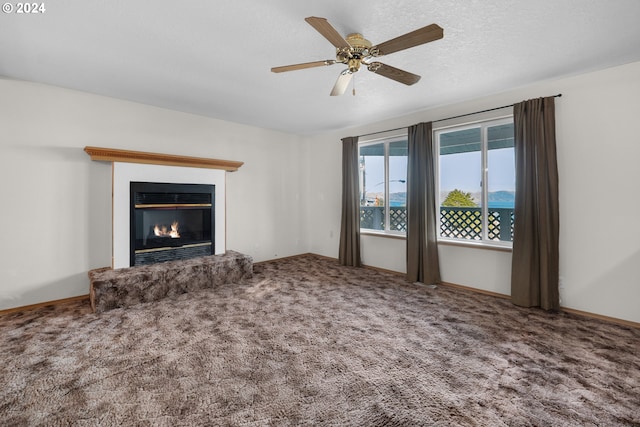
<point>387,140</point>
<point>484,124</point>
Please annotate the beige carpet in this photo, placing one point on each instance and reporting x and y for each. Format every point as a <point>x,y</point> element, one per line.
<point>307,342</point>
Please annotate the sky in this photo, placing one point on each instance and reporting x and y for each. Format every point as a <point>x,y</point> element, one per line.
<point>374,174</point>
<point>462,171</point>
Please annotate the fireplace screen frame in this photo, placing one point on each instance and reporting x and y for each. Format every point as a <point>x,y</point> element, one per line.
<point>170,190</point>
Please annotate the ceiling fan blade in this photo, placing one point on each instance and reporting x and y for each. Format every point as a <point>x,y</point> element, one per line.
<point>342,83</point>
<point>323,27</point>
<point>393,73</point>
<point>415,38</point>
<point>302,66</point>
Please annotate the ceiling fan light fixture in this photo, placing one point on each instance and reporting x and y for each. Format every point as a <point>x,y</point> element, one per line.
<point>342,83</point>
<point>354,64</point>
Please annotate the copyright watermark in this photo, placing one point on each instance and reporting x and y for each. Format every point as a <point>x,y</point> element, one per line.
<point>24,8</point>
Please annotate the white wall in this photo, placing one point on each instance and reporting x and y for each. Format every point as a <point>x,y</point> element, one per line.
<point>56,202</point>
<point>285,200</point>
<point>598,154</point>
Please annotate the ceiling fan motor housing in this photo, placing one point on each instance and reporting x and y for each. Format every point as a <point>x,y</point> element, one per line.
<point>359,44</point>
<point>358,49</point>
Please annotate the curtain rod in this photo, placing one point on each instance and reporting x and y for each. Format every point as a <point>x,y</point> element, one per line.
<point>449,118</point>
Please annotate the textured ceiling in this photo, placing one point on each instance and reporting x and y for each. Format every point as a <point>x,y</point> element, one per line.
<point>213,58</point>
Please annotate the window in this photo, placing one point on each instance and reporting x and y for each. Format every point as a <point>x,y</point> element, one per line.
<point>383,185</point>
<point>476,174</point>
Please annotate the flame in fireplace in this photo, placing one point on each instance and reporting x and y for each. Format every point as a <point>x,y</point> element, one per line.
<point>162,231</point>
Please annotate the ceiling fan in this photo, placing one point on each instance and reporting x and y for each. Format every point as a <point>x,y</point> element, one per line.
<point>354,51</point>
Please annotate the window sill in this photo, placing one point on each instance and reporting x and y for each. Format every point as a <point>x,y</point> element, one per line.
<point>383,234</point>
<point>475,245</point>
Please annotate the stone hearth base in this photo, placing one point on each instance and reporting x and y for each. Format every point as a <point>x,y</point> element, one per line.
<point>125,287</point>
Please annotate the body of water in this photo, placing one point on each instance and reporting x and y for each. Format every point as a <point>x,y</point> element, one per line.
<point>495,205</point>
<point>498,205</point>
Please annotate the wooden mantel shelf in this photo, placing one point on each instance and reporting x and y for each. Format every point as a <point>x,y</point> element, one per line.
<point>127,156</point>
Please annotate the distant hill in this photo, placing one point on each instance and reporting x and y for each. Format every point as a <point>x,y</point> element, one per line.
<point>397,197</point>
<point>502,199</point>
<point>502,196</point>
<point>497,199</point>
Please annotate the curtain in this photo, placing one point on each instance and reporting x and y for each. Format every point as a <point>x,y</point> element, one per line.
<point>534,269</point>
<point>349,252</point>
<point>422,250</point>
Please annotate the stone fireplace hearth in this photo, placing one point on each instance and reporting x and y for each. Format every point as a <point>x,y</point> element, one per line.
<point>126,287</point>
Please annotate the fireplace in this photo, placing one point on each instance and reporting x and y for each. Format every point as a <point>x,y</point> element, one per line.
<point>171,221</point>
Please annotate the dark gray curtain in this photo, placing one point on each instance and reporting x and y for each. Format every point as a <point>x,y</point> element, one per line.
<point>534,271</point>
<point>349,253</point>
<point>422,250</point>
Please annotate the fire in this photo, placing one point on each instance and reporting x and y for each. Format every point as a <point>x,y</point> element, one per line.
<point>162,231</point>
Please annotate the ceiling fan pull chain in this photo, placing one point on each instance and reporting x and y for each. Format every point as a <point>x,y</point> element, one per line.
<point>354,86</point>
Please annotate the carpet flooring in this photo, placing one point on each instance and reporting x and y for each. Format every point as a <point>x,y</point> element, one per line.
<point>309,342</point>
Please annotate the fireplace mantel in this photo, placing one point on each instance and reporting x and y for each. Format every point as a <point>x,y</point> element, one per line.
<point>128,156</point>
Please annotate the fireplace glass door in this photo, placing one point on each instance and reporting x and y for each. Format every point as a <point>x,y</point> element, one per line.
<point>171,221</point>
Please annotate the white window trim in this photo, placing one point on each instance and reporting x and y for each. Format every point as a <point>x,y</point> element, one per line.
<point>484,124</point>
<point>387,139</point>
